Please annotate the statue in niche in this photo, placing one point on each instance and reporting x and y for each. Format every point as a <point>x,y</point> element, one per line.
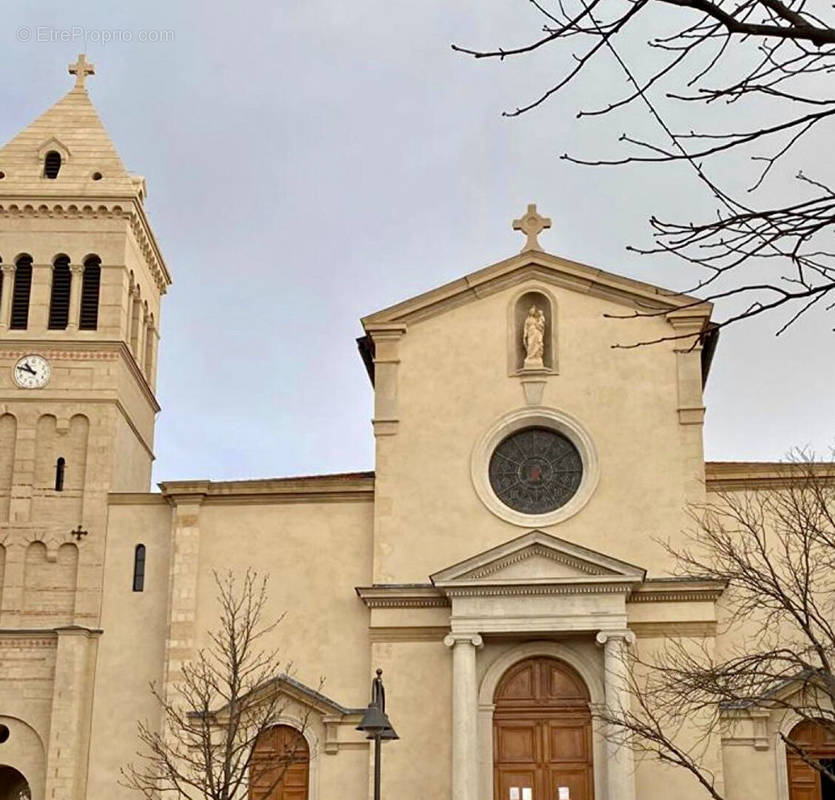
<point>533,338</point>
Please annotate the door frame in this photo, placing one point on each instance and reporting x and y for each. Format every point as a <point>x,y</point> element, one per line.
<point>589,669</point>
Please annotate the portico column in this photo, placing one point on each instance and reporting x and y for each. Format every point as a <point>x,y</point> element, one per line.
<point>464,715</point>
<point>76,278</point>
<point>6,297</point>
<point>620,761</point>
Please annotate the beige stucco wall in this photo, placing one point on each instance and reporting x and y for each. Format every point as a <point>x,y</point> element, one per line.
<point>626,399</point>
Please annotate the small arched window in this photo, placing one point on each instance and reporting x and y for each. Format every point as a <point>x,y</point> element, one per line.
<point>20,294</point>
<point>59,301</point>
<point>60,466</point>
<point>139,568</point>
<point>89,316</point>
<point>52,164</point>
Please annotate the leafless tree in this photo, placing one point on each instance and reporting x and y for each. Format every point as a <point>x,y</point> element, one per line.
<point>229,695</point>
<point>746,59</point>
<point>775,552</point>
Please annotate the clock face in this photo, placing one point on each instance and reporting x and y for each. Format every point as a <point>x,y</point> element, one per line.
<point>31,372</point>
<point>535,470</point>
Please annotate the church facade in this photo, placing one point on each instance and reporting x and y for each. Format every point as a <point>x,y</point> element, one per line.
<point>497,564</point>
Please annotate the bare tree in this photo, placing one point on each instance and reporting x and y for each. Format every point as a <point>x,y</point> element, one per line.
<point>228,697</point>
<point>746,59</point>
<point>775,552</point>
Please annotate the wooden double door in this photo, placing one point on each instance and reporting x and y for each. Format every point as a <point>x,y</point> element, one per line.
<point>280,767</point>
<point>806,782</point>
<point>542,735</point>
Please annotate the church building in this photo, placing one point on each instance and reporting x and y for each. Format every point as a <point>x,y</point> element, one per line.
<point>497,564</point>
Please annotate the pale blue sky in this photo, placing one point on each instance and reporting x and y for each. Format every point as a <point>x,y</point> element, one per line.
<point>311,162</point>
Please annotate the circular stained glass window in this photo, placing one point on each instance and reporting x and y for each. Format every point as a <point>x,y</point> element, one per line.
<point>535,470</point>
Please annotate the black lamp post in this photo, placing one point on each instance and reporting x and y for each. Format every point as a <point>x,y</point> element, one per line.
<point>376,724</point>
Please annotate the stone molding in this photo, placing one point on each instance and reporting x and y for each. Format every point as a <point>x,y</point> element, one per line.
<point>400,596</point>
<point>726,476</point>
<point>601,569</point>
<point>548,269</point>
<point>128,209</point>
<point>517,420</point>
<point>340,487</point>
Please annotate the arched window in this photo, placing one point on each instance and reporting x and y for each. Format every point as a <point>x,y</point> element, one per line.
<point>20,294</point>
<point>52,164</point>
<point>60,465</point>
<point>149,346</point>
<point>280,765</point>
<point>134,321</point>
<point>59,301</point>
<point>89,318</point>
<point>139,568</point>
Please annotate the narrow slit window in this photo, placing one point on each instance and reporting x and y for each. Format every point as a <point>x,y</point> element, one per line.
<point>139,568</point>
<point>60,466</point>
<point>52,164</point>
<point>89,315</point>
<point>59,301</point>
<point>20,294</point>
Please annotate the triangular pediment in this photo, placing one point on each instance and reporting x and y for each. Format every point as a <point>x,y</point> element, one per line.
<point>548,269</point>
<point>538,558</point>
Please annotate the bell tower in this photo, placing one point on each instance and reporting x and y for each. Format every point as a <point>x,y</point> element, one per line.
<point>82,279</point>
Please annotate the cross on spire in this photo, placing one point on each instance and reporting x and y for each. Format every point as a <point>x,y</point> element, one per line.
<point>81,69</point>
<point>532,224</point>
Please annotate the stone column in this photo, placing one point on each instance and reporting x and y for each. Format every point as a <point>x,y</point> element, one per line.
<point>620,761</point>
<point>464,714</point>
<point>76,278</point>
<point>6,299</point>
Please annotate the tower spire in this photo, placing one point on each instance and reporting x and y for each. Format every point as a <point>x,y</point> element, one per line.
<point>81,69</point>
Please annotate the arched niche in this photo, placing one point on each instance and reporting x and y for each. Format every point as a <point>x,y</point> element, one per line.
<point>519,308</point>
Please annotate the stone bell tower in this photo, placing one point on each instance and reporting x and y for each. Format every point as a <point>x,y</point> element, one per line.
<point>82,279</point>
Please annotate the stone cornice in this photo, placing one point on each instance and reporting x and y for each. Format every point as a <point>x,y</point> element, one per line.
<point>342,487</point>
<point>551,269</point>
<point>402,596</point>
<point>725,476</point>
<point>677,590</point>
<point>112,208</point>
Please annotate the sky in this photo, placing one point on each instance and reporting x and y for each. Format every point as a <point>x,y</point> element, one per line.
<point>311,162</point>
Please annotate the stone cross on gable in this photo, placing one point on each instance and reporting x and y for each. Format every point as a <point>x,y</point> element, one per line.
<point>81,69</point>
<point>532,224</point>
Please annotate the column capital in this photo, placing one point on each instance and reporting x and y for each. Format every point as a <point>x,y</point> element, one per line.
<point>77,268</point>
<point>8,269</point>
<point>454,638</point>
<point>624,634</point>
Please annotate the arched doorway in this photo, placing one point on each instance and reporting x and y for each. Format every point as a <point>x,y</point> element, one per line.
<point>542,735</point>
<point>805,782</point>
<point>13,786</point>
<point>280,766</point>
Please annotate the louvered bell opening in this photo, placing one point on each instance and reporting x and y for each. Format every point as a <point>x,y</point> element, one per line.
<point>89,318</point>
<point>59,304</point>
<point>52,164</point>
<point>20,294</point>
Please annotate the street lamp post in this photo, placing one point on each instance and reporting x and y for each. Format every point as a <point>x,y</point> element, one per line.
<point>376,724</point>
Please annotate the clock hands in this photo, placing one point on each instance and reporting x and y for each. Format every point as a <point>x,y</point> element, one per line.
<point>27,368</point>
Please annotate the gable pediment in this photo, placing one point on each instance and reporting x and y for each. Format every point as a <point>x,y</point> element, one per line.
<point>538,558</point>
<point>548,269</point>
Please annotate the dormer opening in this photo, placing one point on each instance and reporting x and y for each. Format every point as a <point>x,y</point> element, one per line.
<point>52,164</point>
